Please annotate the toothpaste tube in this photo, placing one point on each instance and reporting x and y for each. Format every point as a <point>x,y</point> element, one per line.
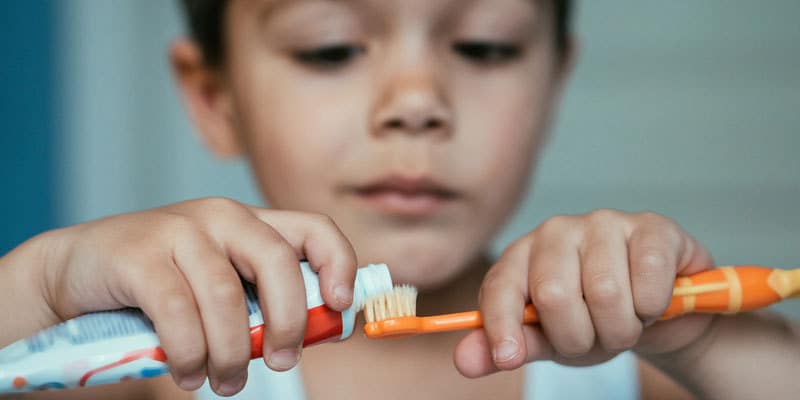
<point>114,346</point>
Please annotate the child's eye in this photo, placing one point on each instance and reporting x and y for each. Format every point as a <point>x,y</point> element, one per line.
<point>331,56</point>
<point>487,53</point>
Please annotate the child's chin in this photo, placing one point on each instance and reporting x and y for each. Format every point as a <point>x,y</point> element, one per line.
<point>426,273</point>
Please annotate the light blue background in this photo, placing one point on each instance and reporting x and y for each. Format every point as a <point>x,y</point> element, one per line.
<point>687,108</point>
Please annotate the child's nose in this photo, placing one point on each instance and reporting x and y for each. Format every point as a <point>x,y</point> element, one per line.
<point>412,105</point>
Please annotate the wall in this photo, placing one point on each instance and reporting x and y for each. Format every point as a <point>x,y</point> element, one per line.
<point>27,166</point>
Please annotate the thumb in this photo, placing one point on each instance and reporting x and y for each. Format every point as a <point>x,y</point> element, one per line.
<point>473,354</point>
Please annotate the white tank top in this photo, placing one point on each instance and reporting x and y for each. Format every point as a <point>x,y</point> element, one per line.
<point>616,379</point>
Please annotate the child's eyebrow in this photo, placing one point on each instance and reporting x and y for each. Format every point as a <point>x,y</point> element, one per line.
<point>266,9</point>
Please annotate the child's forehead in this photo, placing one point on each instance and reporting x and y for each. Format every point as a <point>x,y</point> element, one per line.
<point>431,8</point>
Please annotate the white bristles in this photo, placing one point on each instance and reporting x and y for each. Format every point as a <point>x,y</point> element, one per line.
<point>399,302</point>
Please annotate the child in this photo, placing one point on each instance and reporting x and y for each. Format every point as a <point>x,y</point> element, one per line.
<point>400,132</point>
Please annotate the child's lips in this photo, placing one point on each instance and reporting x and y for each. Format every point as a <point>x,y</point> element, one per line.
<point>404,203</point>
<point>408,197</point>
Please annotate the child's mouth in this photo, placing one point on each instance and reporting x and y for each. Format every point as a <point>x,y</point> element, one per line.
<point>404,196</point>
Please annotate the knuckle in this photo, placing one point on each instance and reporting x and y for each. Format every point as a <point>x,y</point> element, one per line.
<point>604,291</point>
<point>288,331</point>
<point>552,294</point>
<point>603,215</point>
<point>556,224</point>
<point>492,279</point>
<point>576,345</point>
<point>623,340</point>
<point>648,305</point>
<point>227,294</point>
<point>322,220</point>
<point>272,239</point>
<point>521,244</point>
<point>584,343</point>
<point>652,260</point>
<point>177,304</point>
<point>219,204</point>
<point>492,284</point>
<point>649,277</point>
<point>284,254</point>
<point>189,358</point>
<point>180,225</point>
<point>178,221</point>
<point>666,226</point>
<point>652,217</point>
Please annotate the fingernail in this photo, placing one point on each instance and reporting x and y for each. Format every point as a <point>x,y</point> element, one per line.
<point>283,359</point>
<point>233,385</point>
<point>649,322</point>
<point>192,382</point>
<point>506,350</point>
<point>343,295</point>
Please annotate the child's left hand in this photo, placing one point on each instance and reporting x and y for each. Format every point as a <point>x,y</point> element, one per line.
<point>598,281</point>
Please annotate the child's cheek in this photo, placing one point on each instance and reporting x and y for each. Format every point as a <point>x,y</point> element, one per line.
<point>505,139</point>
<point>502,142</point>
<point>303,138</point>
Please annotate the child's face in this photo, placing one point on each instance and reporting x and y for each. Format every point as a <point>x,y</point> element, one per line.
<point>414,124</point>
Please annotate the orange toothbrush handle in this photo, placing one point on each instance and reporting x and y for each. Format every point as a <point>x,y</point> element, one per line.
<point>727,290</point>
<point>462,320</point>
<point>530,315</point>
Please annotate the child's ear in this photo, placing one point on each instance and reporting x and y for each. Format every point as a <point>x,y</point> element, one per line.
<point>567,62</point>
<point>206,98</point>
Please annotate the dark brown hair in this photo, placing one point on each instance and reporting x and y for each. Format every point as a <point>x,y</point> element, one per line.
<point>206,25</point>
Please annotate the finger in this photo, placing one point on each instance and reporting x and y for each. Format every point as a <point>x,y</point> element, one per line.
<point>502,300</point>
<point>694,258</point>
<point>159,289</point>
<point>555,291</point>
<point>258,247</point>
<point>671,335</point>
<point>473,354</point>
<point>654,249</point>
<point>606,286</point>
<point>317,238</point>
<point>220,297</point>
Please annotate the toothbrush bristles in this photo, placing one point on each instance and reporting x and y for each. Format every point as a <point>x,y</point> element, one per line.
<point>399,302</point>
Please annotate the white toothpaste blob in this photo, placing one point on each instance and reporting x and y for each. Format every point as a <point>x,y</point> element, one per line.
<point>114,346</point>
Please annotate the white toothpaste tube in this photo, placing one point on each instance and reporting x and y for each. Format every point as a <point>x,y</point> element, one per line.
<point>114,346</point>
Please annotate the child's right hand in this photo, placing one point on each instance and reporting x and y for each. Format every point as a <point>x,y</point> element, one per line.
<point>179,264</point>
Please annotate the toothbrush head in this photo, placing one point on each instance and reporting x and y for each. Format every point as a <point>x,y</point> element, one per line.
<point>392,313</point>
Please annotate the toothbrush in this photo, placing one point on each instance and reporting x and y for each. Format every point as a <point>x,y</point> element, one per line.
<point>725,290</point>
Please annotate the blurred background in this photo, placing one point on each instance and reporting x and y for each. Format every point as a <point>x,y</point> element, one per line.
<point>690,109</point>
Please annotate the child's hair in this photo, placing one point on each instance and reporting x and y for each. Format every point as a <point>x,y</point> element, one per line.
<point>206,26</point>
